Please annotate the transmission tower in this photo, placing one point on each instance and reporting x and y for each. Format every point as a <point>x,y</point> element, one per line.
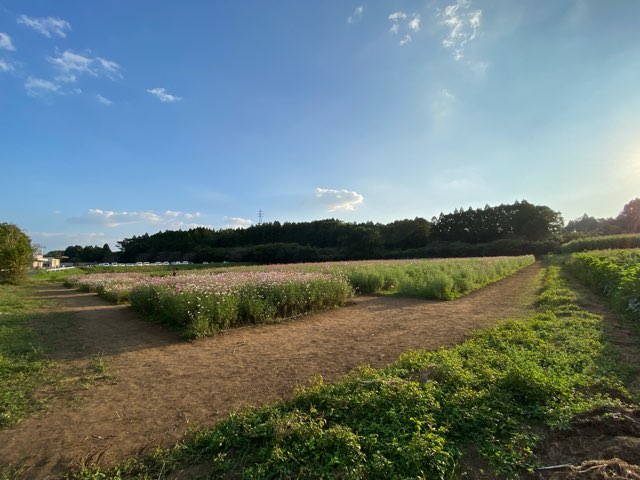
<point>260,215</point>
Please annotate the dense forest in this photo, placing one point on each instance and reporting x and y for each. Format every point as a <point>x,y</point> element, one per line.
<point>502,230</point>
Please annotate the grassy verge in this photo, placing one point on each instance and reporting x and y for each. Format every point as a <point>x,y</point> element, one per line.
<point>497,392</point>
<point>58,276</point>
<point>23,366</point>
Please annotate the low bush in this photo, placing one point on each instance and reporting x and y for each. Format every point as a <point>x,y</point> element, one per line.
<point>613,273</point>
<point>602,242</point>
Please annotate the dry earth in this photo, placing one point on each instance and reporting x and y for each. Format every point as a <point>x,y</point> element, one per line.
<point>160,385</point>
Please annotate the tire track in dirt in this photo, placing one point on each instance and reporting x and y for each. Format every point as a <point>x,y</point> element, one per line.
<point>162,384</point>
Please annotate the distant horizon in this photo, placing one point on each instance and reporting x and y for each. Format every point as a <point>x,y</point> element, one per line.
<point>124,118</point>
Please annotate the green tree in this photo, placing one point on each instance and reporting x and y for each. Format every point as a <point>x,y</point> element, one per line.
<point>16,254</point>
<point>629,218</point>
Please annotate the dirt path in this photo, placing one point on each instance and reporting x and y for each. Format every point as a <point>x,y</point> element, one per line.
<point>161,384</point>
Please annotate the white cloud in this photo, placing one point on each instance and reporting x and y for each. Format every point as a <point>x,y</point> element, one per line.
<point>462,24</point>
<point>406,39</point>
<point>407,24</point>
<point>356,16</point>
<point>49,26</point>
<point>103,100</point>
<point>162,95</point>
<point>5,66</point>
<point>397,16</point>
<point>334,200</point>
<point>71,65</point>
<point>107,218</point>
<point>185,215</point>
<point>414,24</point>
<point>6,43</point>
<point>37,86</point>
<point>237,222</point>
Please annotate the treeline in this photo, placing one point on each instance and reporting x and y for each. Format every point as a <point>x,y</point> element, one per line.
<point>88,254</point>
<point>628,221</point>
<point>515,229</point>
<point>503,230</point>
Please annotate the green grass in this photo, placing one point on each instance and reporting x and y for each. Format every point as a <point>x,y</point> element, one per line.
<point>628,240</point>
<point>58,276</point>
<point>498,391</point>
<point>23,366</point>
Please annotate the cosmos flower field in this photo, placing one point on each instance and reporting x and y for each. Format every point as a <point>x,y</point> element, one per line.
<point>206,302</point>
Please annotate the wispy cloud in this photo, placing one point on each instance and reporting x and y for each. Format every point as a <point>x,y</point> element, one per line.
<point>335,200</point>
<point>49,26</point>
<point>356,16</point>
<point>5,66</point>
<point>111,219</point>
<point>462,24</point>
<point>397,16</point>
<point>103,100</point>
<point>406,39</point>
<point>37,87</point>
<point>162,95</point>
<point>71,65</point>
<point>405,23</point>
<point>237,222</point>
<point>447,94</point>
<point>6,43</point>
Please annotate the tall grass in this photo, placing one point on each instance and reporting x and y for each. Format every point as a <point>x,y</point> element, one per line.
<point>631,240</point>
<point>436,279</point>
<point>614,273</point>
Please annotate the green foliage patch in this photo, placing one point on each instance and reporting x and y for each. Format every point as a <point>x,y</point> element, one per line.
<point>614,273</point>
<point>15,253</point>
<point>602,242</point>
<point>436,279</point>
<point>416,418</point>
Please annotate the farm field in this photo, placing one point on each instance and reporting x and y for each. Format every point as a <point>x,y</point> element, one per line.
<point>154,388</point>
<point>160,386</point>
<point>206,303</point>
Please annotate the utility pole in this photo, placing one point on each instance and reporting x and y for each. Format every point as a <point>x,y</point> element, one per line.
<point>260,215</point>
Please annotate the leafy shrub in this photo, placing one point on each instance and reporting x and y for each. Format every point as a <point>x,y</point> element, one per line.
<point>614,273</point>
<point>602,243</point>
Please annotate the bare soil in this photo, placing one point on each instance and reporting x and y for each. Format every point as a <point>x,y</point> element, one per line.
<point>156,385</point>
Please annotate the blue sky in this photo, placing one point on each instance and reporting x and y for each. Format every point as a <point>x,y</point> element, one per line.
<point>119,118</point>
